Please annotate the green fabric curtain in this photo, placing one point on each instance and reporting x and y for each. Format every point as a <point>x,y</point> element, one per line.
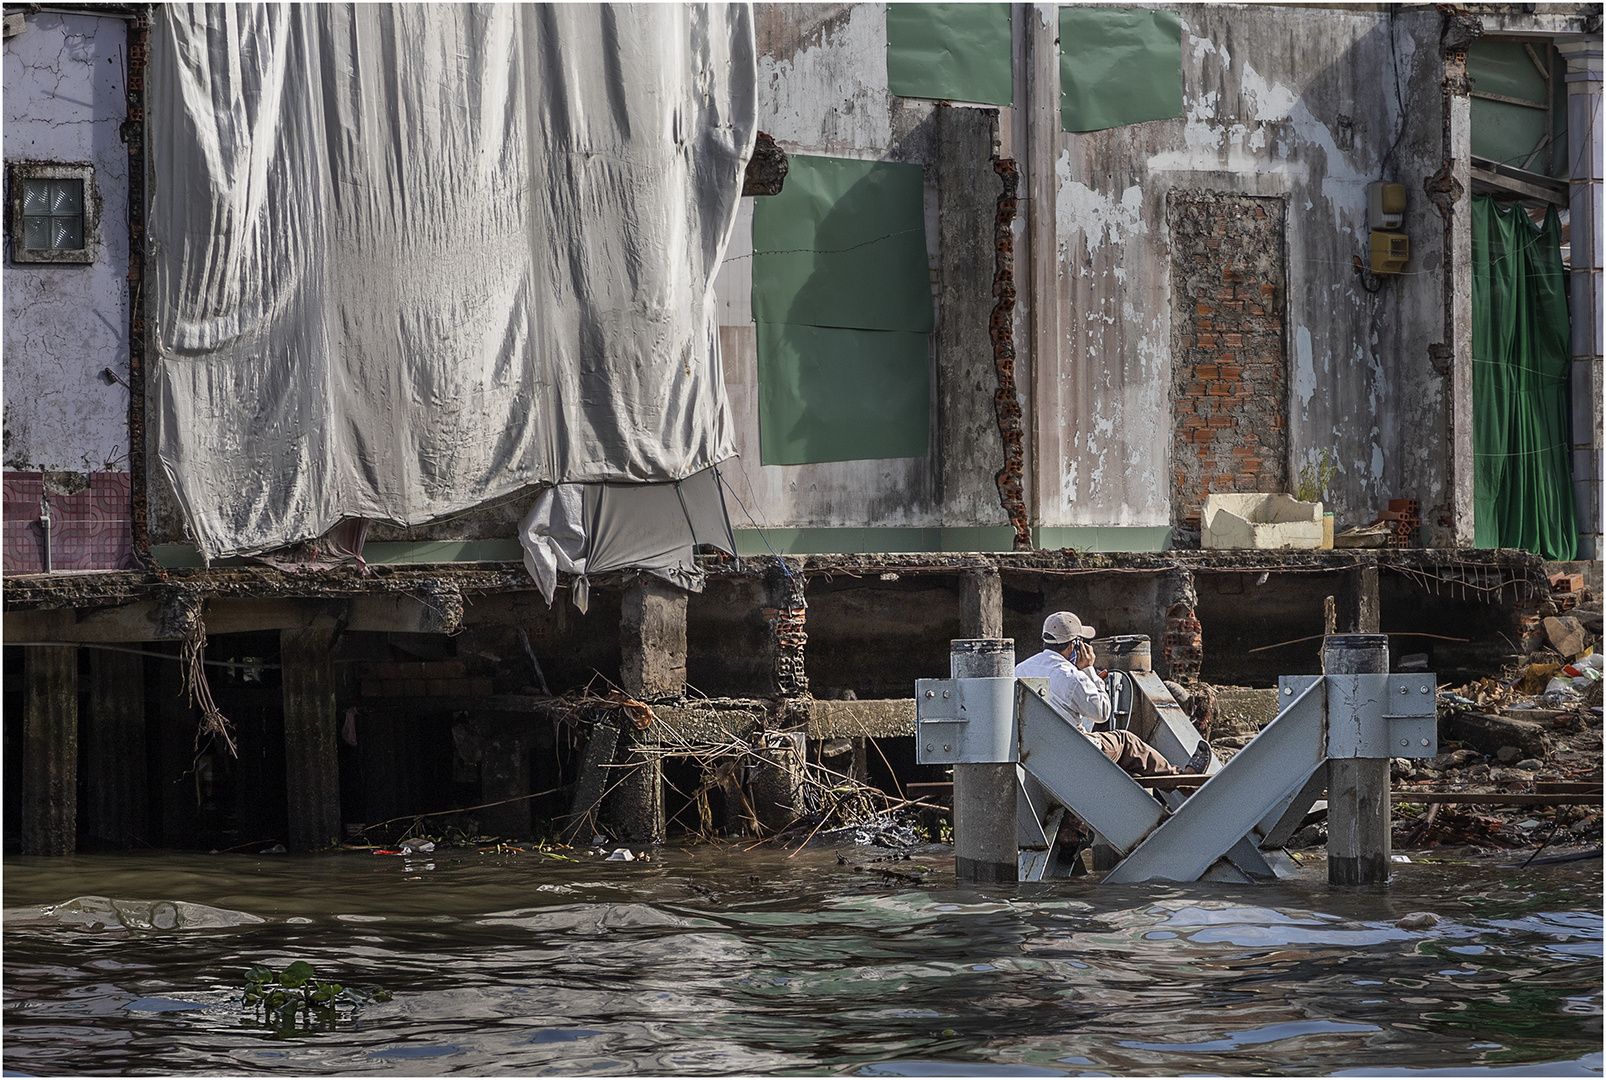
<point>1521,353</point>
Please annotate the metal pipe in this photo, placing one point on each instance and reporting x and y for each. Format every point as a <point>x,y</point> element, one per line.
<point>44,528</point>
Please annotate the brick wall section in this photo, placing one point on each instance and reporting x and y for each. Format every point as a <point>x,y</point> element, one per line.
<point>1184,642</point>
<point>1230,374</point>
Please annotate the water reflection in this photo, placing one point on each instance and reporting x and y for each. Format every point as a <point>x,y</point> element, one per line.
<point>707,962</point>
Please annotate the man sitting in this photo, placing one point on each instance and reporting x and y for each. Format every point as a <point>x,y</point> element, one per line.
<point>1076,690</point>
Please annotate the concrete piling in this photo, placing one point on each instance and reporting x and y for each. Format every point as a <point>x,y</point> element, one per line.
<point>1359,611</point>
<point>311,760</point>
<point>1358,810</point>
<point>777,778</point>
<point>986,840</point>
<point>981,604</point>
<point>637,803</point>
<point>593,781</point>
<point>50,752</point>
<point>652,639</point>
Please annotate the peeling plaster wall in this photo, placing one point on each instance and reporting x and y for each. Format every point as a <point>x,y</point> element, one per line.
<point>65,324</point>
<point>823,90</point>
<point>1308,104</point>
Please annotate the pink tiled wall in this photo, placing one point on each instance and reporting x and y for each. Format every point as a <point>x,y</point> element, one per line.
<point>91,530</point>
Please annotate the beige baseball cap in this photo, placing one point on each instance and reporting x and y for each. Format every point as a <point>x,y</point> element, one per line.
<point>1062,626</point>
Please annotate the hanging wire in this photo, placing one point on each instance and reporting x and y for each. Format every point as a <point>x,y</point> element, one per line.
<point>760,530</point>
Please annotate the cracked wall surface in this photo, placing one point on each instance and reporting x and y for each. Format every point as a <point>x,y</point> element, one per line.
<point>1299,108</point>
<point>66,324</point>
<point>1304,105</point>
<point>823,90</point>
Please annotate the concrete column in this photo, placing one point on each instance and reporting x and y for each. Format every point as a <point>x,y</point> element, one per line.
<point>787,613</point>
<point>593,781</point>
<point>1037,379</point>
<point>986,837</point>
<point>311,760</point>
<point>776,778</point>
<point>652,639</point>
<point>114,752</point>
<point>1359,608</point>
<point>1453,198</point>
<point>637,806</point>
<point>1182,648</point>
<point>50,752</point>
<point>981,604</point>
<point>1585,144</point>
<point>1358,810</point>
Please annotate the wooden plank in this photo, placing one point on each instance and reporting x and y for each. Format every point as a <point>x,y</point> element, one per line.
<point>1495,798</point>
<point>1172,781</point>
<point>1567,787</point>
<point>1518,187</point>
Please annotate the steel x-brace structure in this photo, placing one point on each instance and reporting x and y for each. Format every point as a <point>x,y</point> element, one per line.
<point>1233,826</point>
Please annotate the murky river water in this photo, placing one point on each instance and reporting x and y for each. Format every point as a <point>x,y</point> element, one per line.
<point>710,962</point>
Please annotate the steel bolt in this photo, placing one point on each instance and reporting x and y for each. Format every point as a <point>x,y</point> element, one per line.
<point>945,694</point>
<point>1405,742</point>
<point>931,694</point>
<point>1424,742</point>
<point>946,747</point>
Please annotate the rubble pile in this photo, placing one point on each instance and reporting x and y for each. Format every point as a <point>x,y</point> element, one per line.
<point>1531,729</point>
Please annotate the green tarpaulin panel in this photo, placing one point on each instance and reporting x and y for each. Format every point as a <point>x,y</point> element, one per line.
<point>831,394</point>
<point>843,244</point>
<point>1119,66</point>
<point>955,52</point>
<point>1521,354</point>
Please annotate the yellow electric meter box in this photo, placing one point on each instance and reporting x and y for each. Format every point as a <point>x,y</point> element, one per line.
<point>1385,205</point>
<point>1390,252</point>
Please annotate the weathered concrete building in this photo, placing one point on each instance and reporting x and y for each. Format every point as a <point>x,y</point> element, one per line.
<point>1015,360</point>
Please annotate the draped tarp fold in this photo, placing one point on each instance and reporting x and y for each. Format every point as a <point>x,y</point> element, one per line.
<point>407,259</point>
<point>585,529</point>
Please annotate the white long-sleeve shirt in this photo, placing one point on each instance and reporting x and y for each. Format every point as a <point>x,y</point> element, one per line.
<point>1077,692</point>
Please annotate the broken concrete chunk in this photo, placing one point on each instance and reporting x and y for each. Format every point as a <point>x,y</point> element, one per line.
<point>1567,635</point>
<point>1263,521</point>
<point>1488,733</point>
<point>1454,759</point>
<point>1508,754</point>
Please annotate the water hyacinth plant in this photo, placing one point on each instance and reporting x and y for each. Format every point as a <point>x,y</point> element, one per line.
<point>281,998</point>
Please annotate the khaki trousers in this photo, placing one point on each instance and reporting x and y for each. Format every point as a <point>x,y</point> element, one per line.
<point>1132,753</point>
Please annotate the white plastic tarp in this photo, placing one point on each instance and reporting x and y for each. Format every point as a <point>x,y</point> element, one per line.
<point>406,259</point>
<point>585,529</point>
